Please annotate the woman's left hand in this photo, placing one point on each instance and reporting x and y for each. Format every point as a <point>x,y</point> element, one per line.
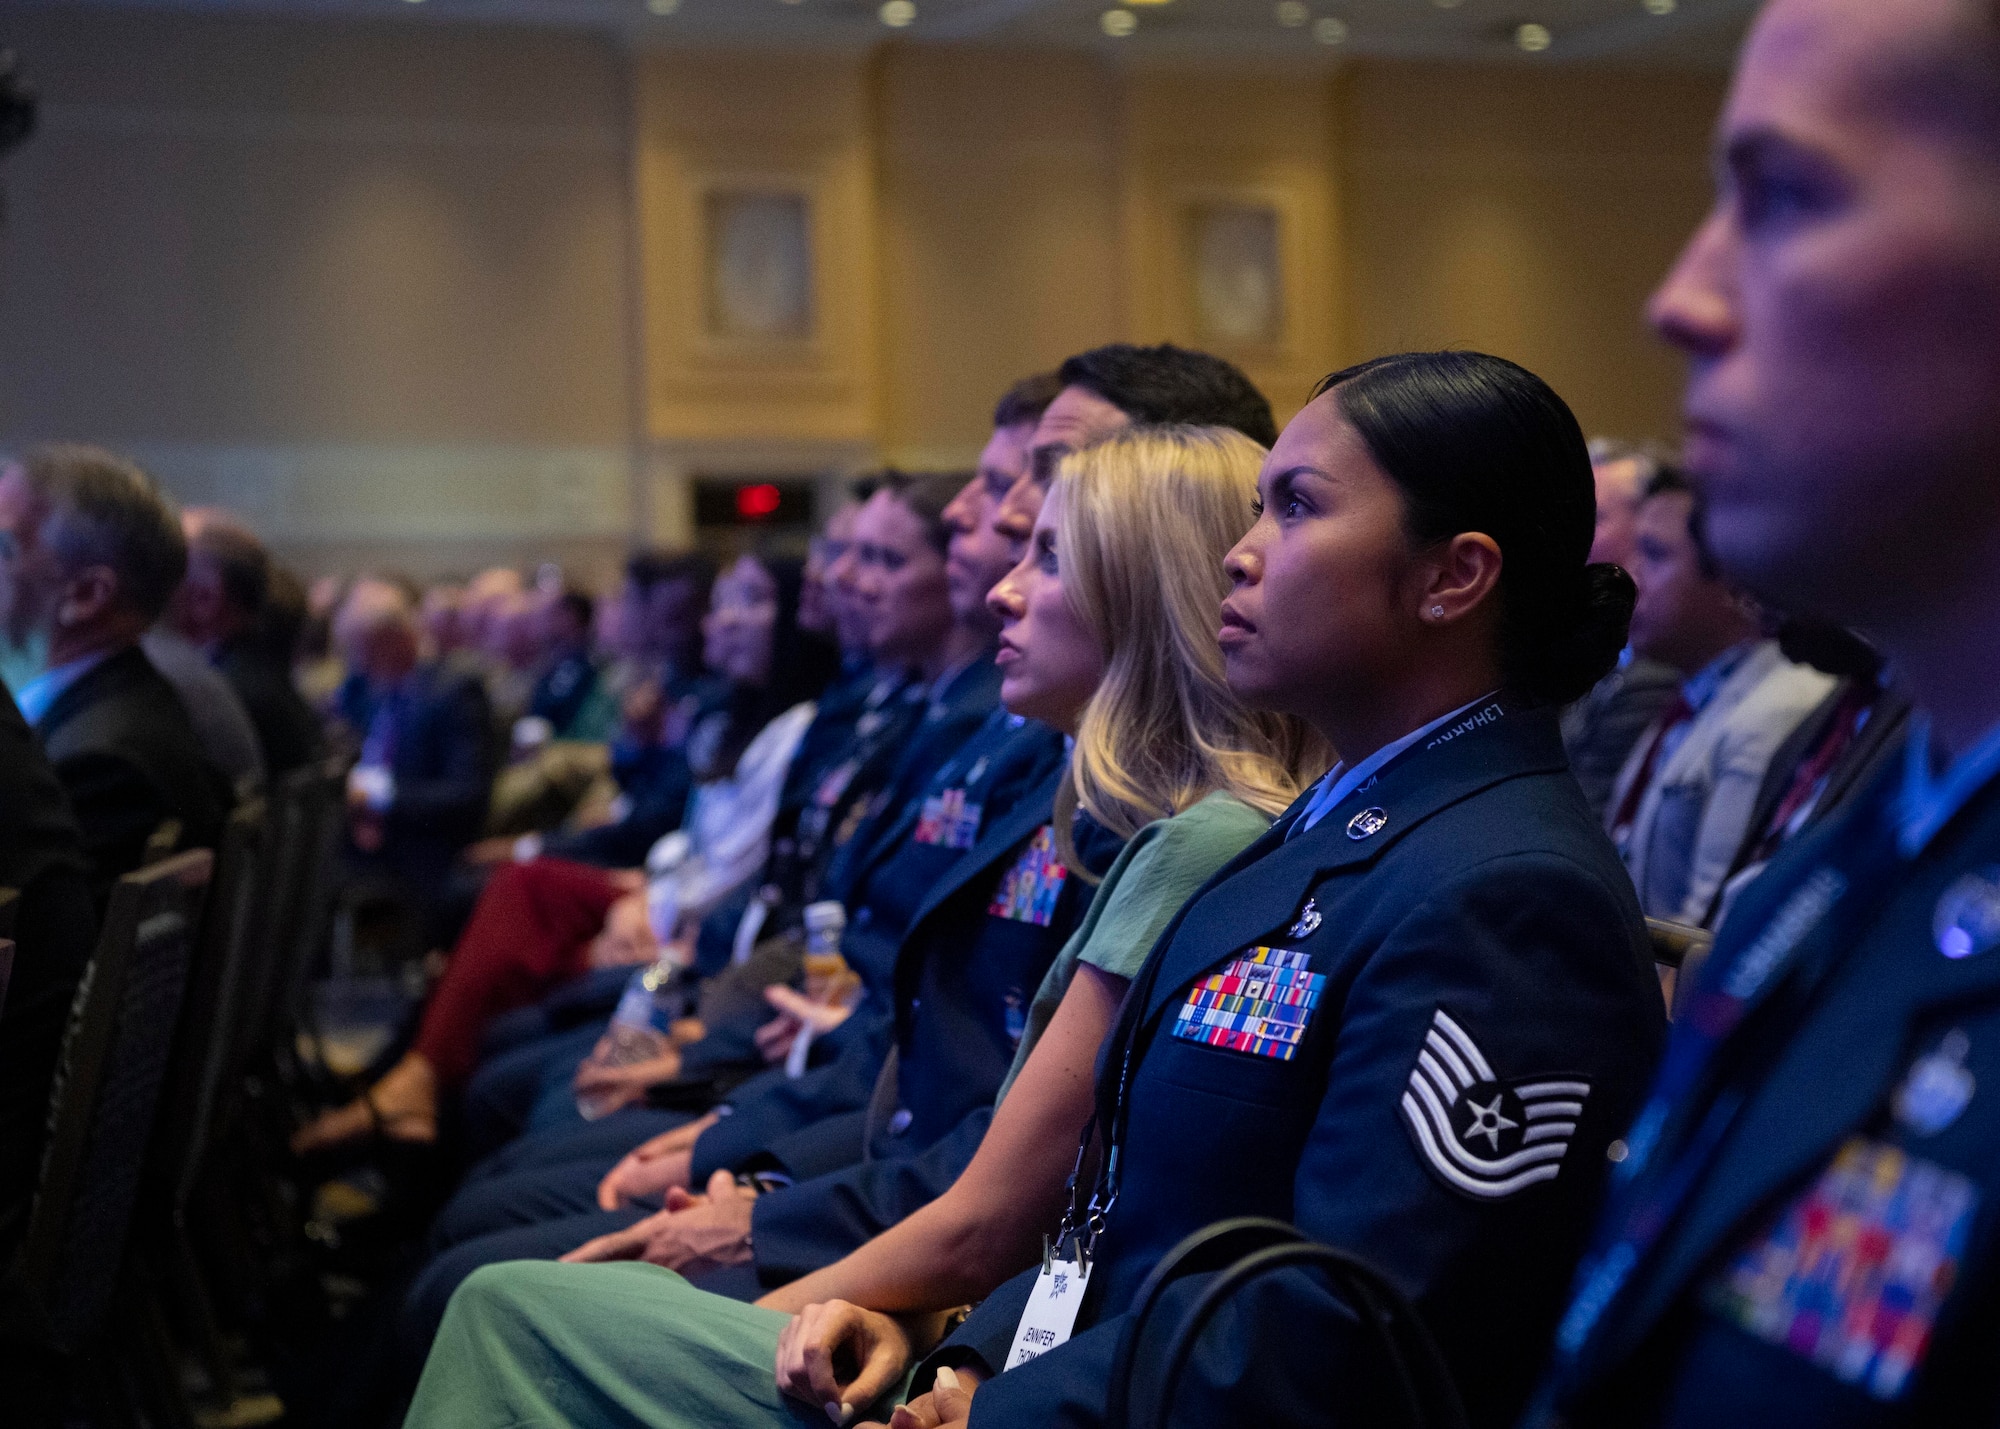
<point>822,1339</point>
<point>948,1405</point>
<point>630,1081</point>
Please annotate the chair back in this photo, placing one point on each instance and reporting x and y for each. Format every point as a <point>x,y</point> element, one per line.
<point>309,915</point>
<point>232,937</point>
<point>291,822</point>
<point>59,1291</point>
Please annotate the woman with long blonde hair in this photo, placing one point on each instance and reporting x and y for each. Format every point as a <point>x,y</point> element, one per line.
<point>1110,634</point>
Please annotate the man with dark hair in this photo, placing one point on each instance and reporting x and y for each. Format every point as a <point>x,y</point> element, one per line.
<point>1684,798</point>
<point>1110,388</point>
<point>221,607</point>
<point>1801,1221</point>
<point>1156,385</point>
<point>92,555</point>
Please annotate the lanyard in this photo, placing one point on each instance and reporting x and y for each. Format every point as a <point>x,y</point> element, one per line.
<point>1084,1220</point>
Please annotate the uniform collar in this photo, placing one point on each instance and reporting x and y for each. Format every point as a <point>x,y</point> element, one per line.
<point>1257,895</point>
<point>1930,798</point>
<point>1340,781</point>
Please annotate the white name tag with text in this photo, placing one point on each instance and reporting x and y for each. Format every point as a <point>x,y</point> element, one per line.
<point>1050,1318</point>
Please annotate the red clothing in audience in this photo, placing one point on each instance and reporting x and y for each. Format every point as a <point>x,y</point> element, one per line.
<point>530,932</point>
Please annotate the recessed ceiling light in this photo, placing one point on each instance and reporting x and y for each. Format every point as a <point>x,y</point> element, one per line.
<point>1330,31</point>
<point>1533,38</point>
<point>1147,2</point>
<point>1119,23</point>
<point>663,7</point>
<point>1662,7</point>
<point>1447,4</point>
<point>898,13</point>
<point>1291,12</point>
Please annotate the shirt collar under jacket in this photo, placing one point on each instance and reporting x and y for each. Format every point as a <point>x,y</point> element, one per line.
<point>1930,797</point>
<point>46,688</point>
<point>1340,781</point>
<point>1700,687</point>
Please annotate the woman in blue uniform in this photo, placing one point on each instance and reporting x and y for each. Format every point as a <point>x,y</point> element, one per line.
<point>1413,1017</point>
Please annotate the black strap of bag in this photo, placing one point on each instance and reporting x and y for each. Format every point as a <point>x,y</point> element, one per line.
<point>1247,1248</point>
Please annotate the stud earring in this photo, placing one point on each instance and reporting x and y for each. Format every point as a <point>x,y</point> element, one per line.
<point>1437,612</point>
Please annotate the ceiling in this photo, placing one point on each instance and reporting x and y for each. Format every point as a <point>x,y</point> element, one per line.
<point>1684,32</point>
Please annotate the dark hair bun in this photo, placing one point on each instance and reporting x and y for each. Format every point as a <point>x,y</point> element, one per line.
<point>1585,641</point>
<point>1478,443</point>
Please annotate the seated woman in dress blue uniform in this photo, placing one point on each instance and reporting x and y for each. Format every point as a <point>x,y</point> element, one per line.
<point>1164,756</point>
<point>1413,1017</point>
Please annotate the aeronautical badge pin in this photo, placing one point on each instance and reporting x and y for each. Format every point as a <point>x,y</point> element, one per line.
<point>1367,824</point>
<point>1967,920</point>
<point>1309,920</point>
<point>1938,1087</point>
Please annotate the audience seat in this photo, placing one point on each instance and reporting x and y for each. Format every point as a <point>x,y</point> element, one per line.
<point>58,1294</point>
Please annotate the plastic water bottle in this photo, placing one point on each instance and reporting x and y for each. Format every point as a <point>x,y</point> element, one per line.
<point>639,1030</point>
<point>826,972</point>
<point>641,1026</point>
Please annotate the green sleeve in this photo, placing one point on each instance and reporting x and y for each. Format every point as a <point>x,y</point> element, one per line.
<point>1160,874</point>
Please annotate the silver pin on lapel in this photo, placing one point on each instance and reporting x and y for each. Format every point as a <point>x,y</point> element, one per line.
<point>1309,920</point>
<point>1367,824</point>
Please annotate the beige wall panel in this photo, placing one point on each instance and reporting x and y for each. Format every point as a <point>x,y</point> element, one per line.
<point>999,234</point>
<point>1239,139</point>
<point>1528,213</point>
<point>713,121</point>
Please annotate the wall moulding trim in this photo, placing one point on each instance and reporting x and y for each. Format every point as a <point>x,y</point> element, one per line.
<point>335,492</point>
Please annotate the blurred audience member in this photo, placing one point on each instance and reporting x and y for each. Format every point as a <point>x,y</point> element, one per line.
<point>418,794</point>
<point>564,693</point>
<point>225,606</point>
<point>1683,801</point>
<point>1600,729</point>
<point>92,555</point>
<point>220,721</point>
<point>1832,755</point>
<point>55,931</point>
<point>540,923</point>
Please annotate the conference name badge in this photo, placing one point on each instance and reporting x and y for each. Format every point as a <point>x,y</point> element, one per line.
<point>1028,891</point>
<point>1050,1317</point>
<point>947,821</point>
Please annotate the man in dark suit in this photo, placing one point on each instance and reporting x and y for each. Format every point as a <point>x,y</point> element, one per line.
<point>220,607</point>
<point>93,554</point>
<point>419,793</point>
<point>55,928</point>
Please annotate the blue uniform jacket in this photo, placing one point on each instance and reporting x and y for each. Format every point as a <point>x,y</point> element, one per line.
<point>976,951</point>
<point>1471,960</point>
<point>443,762</point>
<point>1004,775</point>
<point>1834,1260</point>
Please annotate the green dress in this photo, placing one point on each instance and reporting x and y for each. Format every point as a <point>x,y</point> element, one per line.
<point>538,1343</point>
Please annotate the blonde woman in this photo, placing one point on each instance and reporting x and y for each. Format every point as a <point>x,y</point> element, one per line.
<point>1110,633</point>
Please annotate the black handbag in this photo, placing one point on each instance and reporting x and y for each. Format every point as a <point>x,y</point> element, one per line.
<point>1240,1251</point>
